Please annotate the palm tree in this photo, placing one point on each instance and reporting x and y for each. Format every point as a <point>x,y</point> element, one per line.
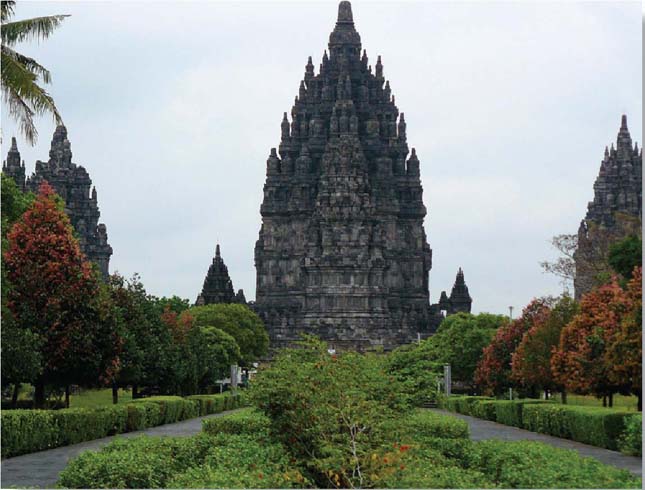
<point>21,91</point>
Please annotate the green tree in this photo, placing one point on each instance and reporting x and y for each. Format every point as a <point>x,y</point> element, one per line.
<point>240,322</point>
<point>214,351</point>
<point>21,75</point>
<point>625,255</point>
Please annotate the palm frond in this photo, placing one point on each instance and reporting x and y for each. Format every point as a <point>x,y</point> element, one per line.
<point>24,97</point>
<point>36,28</point>
<point>29,63</point>
<point>6,9</point>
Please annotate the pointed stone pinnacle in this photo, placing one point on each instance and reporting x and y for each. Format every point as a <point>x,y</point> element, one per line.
<point>345,13</point>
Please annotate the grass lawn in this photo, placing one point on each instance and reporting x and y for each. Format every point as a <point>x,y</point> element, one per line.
<point>620,401</point>
<point>97,398</point>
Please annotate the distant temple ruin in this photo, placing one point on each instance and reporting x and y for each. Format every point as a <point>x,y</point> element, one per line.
<point>342,252</point>
<point>72,183</point>
<point>615,212</point>
<point>218,287</point>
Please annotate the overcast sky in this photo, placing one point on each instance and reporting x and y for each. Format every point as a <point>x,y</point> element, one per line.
<point>173,107</point>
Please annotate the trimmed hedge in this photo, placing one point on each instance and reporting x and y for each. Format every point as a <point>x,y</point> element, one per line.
<point>249,421</point>
<point>28,431</point>
<point>631,440</point>
<point>591,425</point>
<point>597,426</point>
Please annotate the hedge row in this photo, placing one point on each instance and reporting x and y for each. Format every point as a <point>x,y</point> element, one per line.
<point>28,431</point>
<point>597,426</point>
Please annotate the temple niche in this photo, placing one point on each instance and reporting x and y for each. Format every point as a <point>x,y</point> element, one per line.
<point>615,212</point>
<point>342,252</point>
<point>72,183</point>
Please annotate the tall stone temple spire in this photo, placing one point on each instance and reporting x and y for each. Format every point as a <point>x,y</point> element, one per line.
<point>459,297</point>
<point>218,287</point>
<point>616,210</point>
<point>72,183</point>
<point>342,252</point>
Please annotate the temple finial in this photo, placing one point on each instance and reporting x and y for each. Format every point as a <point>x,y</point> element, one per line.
<point>623,122</point>
<point>345,13</point>
<point>217,254</point>
<point>14,145</point>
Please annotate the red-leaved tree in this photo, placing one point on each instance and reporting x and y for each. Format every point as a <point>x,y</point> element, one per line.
<point>531,361</point>
<point>57,294</point>
<point>624,356</point>
<point>493,373</point>
<point>580,362</point>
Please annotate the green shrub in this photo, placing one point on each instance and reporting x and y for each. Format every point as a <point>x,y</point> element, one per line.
<point>241,461</point>
<point>141,462</point>
<point>421,423</point>
<point>142,415</point>
<point>509,412</point>
<point>484,409</point>
<point>529,464</point>
<point>27,431</point>
<point>76,425</point>
<point>631,440</point>
<point>247,421</point>
<point>451,403</point>
<point>597,426</point>
<point>173,408</point>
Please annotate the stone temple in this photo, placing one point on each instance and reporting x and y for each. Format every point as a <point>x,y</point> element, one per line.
<point>72,183</point>
<point>218,287</point>
<point>342,252</point>
<point>615,212</point>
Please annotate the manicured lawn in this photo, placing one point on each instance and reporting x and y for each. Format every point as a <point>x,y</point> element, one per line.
<point>97,398</point>
<point>620,401</point>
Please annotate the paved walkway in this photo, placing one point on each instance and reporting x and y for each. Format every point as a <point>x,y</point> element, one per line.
<point>41,469</point>
<point>484,429</point>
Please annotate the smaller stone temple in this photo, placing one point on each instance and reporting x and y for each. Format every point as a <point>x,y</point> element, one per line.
<point>218,287</point>
<point>615,212</point>
<point>72,183</point>
<point>459,300</point>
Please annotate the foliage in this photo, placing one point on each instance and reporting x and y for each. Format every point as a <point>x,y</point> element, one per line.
<point>21,75</point>
<point>173,408</point>
<point>631,440</point>
<point>209,404</point>
<point>529,464</point>
<point>625,255</point>
<point>247,421</point>
<point>214,351</point>
<point>328,410</point>
<point>57,295</point>
<point>238,321</point>
<point>493,373</point>
<point>624,354</point>
<point>580,362</point>
<point>591,425</point>
<point>531,361</point>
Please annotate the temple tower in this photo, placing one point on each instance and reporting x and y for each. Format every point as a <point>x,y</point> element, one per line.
<point>72,183</point>
<point>218,287</point>
<point>615,212</point>
<point>342,252</point>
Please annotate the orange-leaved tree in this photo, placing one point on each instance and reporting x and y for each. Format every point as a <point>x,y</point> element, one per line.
<point>531,361</point>
<point>624,355</point>
<point>58,294</point>
<point>580,360</point>
<point>493,373</point>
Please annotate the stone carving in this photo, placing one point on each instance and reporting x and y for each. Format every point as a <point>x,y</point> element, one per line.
<point>342,252</point>
<point>218,287</point>
<point>72,183</point>
<point>615,212</point>
<point>458,302</point>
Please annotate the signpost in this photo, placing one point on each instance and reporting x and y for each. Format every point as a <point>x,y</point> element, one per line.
<point>447,379</point>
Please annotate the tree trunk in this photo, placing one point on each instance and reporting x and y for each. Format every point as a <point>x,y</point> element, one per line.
<point>39,394</point>
<point>115,394</point>
<point>66,396</point>
<point>135,391</point>
<point>14,396</point>
<point>604,401</point>
<point>564,397</point>
<point>611,400</point>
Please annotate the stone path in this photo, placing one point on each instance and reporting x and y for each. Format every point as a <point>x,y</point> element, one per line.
<point>41,469</point>
<point>484,429</point>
